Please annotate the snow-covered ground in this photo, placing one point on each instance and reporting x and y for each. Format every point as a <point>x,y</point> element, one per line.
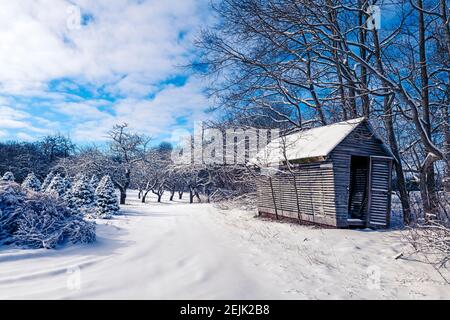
<point>182,251</point>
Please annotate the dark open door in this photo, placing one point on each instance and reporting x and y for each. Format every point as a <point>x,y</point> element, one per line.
<point>358,190</point>
<point>380,185</point>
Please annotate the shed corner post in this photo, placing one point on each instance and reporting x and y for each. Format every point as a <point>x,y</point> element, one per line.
<point>273,197</point>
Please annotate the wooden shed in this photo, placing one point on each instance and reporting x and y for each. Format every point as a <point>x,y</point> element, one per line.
<point>338,175</point>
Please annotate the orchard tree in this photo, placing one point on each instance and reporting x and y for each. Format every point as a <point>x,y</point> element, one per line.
<point>125,150</point>
<point>151,172</point>
<point>56,146</point>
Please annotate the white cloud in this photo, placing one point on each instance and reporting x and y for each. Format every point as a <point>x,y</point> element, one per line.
<point>152,117</point>
<point>138,39</point>
<point>128,48</point>
<point>11,118</point>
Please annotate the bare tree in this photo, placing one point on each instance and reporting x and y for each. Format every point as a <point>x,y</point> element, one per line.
<point>126,149</point>
<point>303,63</point>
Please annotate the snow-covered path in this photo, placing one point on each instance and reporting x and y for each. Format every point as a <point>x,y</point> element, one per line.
<point>182,251</point>
<point>152,251</point>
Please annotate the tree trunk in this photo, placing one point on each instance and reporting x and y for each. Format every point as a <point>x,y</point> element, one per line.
<point>389,124</point>
<point>427,199</point>
<point>296,196</point>
<point>352,98</point>
<point>424,195</point>
<point>144,197</point>
<point>273,197</point>
<point>312,89</point>
<point>123,196</point>
<point>172,193</point>
<point>446,127</point>
<point>191,196</point>
<point>362,51</point>
<point>159,197</point>
<point>180,195</point>
<point>348,110</point>
<point>425,101</point>
<point>123,189</point>
<point>401,184</point>
<point>446,112</point>
<point>345,107</point>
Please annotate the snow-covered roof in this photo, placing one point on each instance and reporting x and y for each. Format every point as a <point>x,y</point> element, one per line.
<point>312,143</point>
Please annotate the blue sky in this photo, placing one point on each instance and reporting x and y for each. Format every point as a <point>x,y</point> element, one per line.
<point>79,67</point>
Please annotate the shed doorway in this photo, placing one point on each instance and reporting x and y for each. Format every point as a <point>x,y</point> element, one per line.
<point>358,190</point>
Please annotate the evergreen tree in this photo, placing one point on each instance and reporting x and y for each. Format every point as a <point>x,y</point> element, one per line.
<point>106,203</point>
<point>67,184</point>
<point>47,181</point>
<point>57,186</point>
<point>31,182</point>
<point>81,195</point>
<point>94,181</point>
<point>8,176</point>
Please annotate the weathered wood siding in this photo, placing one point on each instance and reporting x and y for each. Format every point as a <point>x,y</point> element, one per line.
<point>361,142</point>
<point>322,187</point>
<point>380,187</point>
<point>314,200</point>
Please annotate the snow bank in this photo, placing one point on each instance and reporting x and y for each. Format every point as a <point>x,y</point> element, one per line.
<point>176,250</point>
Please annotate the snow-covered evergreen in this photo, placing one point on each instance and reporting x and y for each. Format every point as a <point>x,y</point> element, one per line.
<point>31,182</point>
<point>106,202</point>
<point>67,184</point>
<point>8,176</point>
<point>94,181</point>
<point>81,196</point>
<point>57,186</point>
<point>47,181</point>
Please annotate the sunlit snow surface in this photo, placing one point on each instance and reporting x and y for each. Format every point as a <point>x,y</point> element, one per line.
<point>183,251</point>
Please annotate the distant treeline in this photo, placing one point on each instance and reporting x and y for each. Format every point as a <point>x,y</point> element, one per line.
<point>39,157</point>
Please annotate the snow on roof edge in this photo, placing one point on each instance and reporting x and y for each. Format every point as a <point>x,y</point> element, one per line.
<point>353,122</point>
<point>350,125</point>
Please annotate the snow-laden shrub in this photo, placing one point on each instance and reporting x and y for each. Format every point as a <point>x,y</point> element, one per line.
<point>81,196</point>
<point>32,183</point>
<point>8,176</point>
<point>431,238</point>
<point>57,187</point>
<point>80,231</point>
<point>38,220</point>
<point>47,181</point>
<point>44,221</point>
<point>106,202</point>
<point>11,197</point>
